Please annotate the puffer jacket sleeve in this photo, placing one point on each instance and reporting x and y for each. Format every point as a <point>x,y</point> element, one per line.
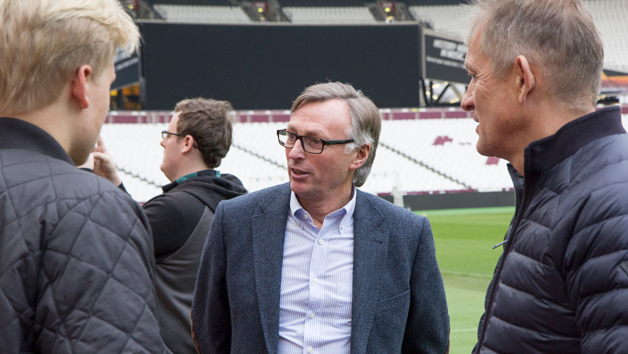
<point>96,292</point>
<point>596,268</point>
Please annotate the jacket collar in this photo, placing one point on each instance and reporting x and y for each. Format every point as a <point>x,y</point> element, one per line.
<point>168,187</point>
<point>21,135</point>
<point>543,154</point>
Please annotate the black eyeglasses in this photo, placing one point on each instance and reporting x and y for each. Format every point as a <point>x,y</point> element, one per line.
<point>165,133</point>
<point>310,144</point>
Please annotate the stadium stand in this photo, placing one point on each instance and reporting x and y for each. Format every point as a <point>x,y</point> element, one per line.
<point>447,19</point>
<point>329,15</point>
<point>416,155</point>
<point>610,19</point>
<point>192,2</point>
<point>202,14</point>
<point>609,16</point>
<point>323,3</point>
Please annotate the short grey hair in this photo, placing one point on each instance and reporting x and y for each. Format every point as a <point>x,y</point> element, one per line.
<point>557,35</point>
<point>365,119</point>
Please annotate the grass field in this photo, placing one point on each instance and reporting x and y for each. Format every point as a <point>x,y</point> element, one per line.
<point>464,239</point>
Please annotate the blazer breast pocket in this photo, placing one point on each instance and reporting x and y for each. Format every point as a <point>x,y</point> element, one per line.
<point>393,302</point>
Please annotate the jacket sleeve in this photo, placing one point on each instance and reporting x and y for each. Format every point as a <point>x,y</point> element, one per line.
<point>210,308</point>
<point>427,329</point>
<point>596,262</point>
<point>96,283</point>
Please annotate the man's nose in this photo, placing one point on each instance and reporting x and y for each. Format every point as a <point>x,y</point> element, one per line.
<point>297,150</point>
<point>467,100</point>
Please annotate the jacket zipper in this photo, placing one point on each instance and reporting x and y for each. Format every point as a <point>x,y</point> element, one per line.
<point>521,206</point>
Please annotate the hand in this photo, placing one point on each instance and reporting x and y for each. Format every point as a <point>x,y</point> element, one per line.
<point>103,163</point>
<point>89,163</point>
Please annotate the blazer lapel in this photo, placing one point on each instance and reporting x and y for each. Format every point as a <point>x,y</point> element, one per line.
<point>268,233</point>
<point>370,249</point>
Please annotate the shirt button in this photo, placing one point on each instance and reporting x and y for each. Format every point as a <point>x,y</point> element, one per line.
<point>312,315</point>
<point>299,224</point>
<point>316,280</point>
<point>320,242</point>
<point>342,228</point>
<point>310,350</point>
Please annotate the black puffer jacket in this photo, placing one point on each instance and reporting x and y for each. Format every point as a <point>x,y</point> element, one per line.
<point>561,285</point>
<point>76,255</point>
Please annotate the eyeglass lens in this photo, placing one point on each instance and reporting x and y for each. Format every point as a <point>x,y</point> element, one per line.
<point>310,144</point>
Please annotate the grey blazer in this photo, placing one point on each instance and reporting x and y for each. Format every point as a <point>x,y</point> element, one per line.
<point>398,296</point>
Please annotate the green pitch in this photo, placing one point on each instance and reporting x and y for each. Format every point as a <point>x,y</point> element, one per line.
<point>464,239</point>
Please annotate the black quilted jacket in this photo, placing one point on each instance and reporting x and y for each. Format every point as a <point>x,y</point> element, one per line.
<point>561,285</point>
<point>76,255</point>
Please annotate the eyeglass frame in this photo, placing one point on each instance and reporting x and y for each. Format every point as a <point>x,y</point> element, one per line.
<point>300,137</point>
<point>165,133</point>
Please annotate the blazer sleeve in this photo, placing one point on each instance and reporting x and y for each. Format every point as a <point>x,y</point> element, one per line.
<point>210,308</point>
<point>427,328</point>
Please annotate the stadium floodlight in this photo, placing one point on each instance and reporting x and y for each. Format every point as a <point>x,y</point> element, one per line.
<point>388,6</point>
<point>261,6</point>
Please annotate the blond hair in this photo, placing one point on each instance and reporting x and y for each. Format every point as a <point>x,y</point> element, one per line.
<point>365,119</point>
<point>43,42</point>
<point>557,35</point>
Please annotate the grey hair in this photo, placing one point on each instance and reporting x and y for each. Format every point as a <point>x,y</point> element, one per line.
<point>365,119</point>
<point>557,35</point>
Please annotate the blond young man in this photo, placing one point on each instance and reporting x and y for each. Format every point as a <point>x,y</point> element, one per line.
<point>561,284</point>
<point>76,262</point>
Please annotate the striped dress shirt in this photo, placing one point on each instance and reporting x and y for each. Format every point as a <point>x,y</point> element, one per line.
<point>317,282</point>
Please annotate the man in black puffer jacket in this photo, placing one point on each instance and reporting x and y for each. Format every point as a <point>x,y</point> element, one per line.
<point>561,284</point>
<point>76,262</point>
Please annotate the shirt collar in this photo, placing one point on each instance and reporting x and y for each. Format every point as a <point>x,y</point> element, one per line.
<point>349,208</point>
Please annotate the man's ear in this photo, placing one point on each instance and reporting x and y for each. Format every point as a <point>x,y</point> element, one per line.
<point>524,77</point>
<point>188,144</point>
<point>361,157</point>
<point>79,85</point>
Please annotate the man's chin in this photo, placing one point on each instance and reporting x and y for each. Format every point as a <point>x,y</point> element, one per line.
<point>298,188</point>
<point>482,149</point>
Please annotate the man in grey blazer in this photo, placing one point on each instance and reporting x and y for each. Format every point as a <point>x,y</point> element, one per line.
<point>317,266</point>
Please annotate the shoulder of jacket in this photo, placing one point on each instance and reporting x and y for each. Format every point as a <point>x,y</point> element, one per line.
<point>261,196</point>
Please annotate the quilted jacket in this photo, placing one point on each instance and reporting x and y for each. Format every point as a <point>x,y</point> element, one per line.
<point>561,284</point>
<point>76,255</point>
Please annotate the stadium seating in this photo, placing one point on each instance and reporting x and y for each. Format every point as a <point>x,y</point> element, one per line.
<point>407,158</point>
<point>202,14</point>
<point>609,16</point>
<point>329,15</point>
<point>610,19</point>
<point>447,19</point>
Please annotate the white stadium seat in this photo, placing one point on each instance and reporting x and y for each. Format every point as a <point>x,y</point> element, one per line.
<point>202,14</point>
<point>329,15</point>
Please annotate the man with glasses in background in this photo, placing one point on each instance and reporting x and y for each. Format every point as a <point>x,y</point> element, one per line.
<point>198,137</point>
<point>316,265</point>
